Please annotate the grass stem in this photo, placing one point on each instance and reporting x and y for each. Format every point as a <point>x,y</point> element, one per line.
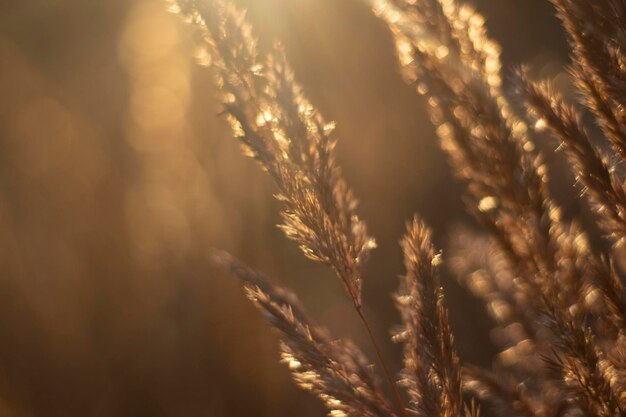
<point>392,384</point>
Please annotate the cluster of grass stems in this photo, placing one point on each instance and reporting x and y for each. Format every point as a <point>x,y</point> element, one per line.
<point>557,303</point>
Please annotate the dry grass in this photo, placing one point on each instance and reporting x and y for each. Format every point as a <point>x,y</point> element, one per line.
<point>558,303</point>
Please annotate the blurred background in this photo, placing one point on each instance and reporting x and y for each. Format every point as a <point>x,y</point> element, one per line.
<point>117,176</point>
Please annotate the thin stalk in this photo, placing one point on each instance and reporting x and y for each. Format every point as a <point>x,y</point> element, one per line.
<point>392,384</point>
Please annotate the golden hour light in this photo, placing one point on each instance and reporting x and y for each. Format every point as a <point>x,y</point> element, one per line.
<point>379,208</point>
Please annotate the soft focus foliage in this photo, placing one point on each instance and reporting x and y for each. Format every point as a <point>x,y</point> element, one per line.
<point>117,176</point>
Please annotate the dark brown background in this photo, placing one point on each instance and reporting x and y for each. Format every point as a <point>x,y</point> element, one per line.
<point>116,176</point>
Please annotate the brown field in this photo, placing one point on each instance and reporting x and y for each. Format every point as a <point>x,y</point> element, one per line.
<point>118,178</point>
